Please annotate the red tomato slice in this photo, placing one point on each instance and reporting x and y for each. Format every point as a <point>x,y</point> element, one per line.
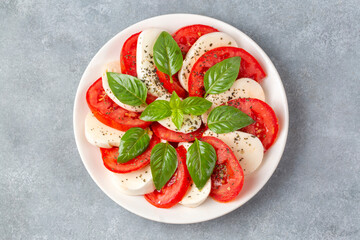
<point>176,188</point>
<point>187,36</point>
<point>175,86</point>
<point>108,112</point>
<point>266,125</point>
<point>227,178</point>
<point>110,155</point>
<point>249,67</point>
<point>150,98</point>
<point>128,55</point>
<point>172,136</point>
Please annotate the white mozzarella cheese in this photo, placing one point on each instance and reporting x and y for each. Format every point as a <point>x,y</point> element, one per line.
<point>99,134</point>
<point>190,124</point>
<point>247,148</point>
<point>242,88</point>
<point>139,182</point>
<point>115,67</point>
<point>145,65</point>
<point>203,44</point>
<point>195,197</point>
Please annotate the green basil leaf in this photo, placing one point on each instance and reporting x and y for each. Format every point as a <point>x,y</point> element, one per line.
<point>200,161</point>
<point>177,117</point>
<point>163,163</point>
<point>195,105</point>
<point>156,111</point>
<point>224,119</point>
<point>221,76</point>
<point>175,101</point>
<point>134,142</point>
<point>167,55</point>
<point>128,89</point>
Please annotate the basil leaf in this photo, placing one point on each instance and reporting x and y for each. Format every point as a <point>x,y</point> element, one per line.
<point>224,119</point>
<point>177,117</point>
<point>200,161</point>
<point>167,55</point>
<point>156,111</point>
<point>175,101</point>
<point>195,105</point>
<point>221,76</point>
<point>163,163</point>
<point>134,142</point>
<point>128,89</point>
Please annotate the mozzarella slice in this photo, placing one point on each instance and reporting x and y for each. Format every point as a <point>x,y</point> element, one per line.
<point>247,148</point>
<point>203,44</point>
<point>191,123</point>
<point>115,67</point>
<point>242,88</point>
<point>145,66</point>
<point>194,197</point>
<point>134,183</point>
<point>99,134</point>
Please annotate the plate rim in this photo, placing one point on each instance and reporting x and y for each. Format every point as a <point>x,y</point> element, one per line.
<point>285,125</point>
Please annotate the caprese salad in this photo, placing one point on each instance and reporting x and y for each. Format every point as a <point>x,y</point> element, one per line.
<point>181,117</point>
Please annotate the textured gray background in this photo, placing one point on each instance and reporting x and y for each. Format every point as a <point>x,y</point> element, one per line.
<point>45,191</point>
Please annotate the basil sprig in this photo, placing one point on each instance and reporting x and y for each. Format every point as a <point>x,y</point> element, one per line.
<point>221,76</point>
<point>200,161</point>
<point>156,111</point>
<point>177,115</point>
<point>128,89</point>
<point>163,163</point>
<point>167,55</point>
<point>133,143</point>
<point>175,108</point>
<point>175,101</point>
<point>225,119</point>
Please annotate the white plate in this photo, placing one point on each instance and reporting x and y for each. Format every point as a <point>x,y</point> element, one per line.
<point>90,155</point>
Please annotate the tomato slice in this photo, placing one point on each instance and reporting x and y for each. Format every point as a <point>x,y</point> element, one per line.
<point>176,188</point>
<point>175,86</point>
<point>150,98</point>
<point>188,35</point>
<point>227,178</point>
<point>128,55</point>
<point>266,125</point>
<point>110,155</point>
<point>249,67</point>
<point>172,136</point>
<point>108,112</point>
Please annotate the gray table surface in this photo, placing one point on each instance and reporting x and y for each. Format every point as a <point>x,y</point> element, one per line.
<point>45,191</point>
